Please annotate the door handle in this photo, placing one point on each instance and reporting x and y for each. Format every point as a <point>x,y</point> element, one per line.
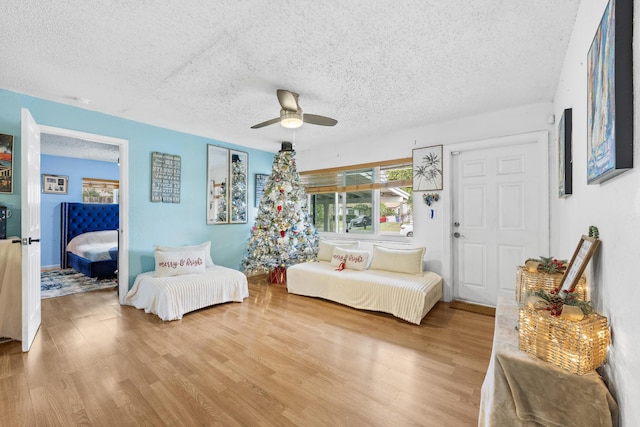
<point>33,240</point>
<point>458,235</point>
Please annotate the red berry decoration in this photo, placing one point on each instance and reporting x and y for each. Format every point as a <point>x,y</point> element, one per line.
<point>282,233</point>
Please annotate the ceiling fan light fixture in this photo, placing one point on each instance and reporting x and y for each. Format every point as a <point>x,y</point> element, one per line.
<point>291,120</point>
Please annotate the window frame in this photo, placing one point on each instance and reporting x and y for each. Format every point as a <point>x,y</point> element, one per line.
<point>332,181</point>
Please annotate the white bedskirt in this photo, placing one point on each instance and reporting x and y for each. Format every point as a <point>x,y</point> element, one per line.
<point>171,297</point>
<point>408,297</point>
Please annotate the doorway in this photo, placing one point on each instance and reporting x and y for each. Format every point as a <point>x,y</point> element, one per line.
<point>104,144</point>
<point>499,213</point>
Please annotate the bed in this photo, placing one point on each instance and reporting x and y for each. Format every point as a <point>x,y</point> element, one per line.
<point>89,238</point>
<point>173,296</point>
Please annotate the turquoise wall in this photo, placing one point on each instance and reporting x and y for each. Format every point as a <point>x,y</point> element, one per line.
<point>75,169</point>
<point>149,223</point>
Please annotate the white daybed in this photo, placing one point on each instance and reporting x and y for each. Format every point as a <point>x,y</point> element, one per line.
<point>393,282</point>
<point>171,296</point>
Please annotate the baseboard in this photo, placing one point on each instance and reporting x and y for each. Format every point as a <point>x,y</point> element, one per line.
<point>475,308</point>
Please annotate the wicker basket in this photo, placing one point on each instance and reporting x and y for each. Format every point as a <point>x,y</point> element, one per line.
<point>576,346</point>
<point>527,282</point>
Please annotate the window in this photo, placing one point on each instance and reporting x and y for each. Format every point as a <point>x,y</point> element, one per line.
<point>96,190</point>
<point>373,199</point>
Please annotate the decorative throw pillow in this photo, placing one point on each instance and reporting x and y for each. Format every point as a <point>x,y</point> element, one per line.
<point>175,263</point>
<point>353,260</point>
<point>206,247</point>
<point>398,260</point>
<point>325,248</point>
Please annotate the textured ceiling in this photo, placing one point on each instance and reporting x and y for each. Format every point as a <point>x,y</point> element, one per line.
<point>212,68</point>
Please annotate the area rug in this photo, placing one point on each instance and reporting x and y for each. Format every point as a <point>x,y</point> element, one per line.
<point>58,283</point>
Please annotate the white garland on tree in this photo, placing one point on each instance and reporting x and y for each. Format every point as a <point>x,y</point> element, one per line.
<point>283,234</point>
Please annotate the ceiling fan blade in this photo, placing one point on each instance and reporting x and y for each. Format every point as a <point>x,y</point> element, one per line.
<point>288,100</point>
<point>267,123</point>
<point>314,119</point>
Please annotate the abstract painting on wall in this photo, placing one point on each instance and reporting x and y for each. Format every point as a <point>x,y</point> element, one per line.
<point>610,94</point>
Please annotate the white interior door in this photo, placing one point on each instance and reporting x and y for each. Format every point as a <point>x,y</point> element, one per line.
<point>30,175</point>
<point>497,220</point>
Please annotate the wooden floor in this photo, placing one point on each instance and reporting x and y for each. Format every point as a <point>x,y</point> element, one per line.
<point>274,360</point>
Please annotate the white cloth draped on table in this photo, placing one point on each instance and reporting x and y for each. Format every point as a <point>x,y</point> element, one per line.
<point>10,289</point>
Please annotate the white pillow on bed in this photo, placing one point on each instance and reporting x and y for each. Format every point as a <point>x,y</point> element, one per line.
<point>398,260</point>
<point>206,247</point>
<point>325,248</point>
<point>103,236</point>
<point>353,260</point>
<point>174,263</point>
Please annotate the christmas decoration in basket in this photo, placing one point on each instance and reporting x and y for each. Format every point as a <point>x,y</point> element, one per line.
<point>578,346</point>
<point>559,325</point>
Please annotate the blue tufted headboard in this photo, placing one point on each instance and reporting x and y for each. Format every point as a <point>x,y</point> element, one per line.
<point>78,218</point>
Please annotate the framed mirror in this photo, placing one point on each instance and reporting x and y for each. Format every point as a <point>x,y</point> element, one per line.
<point>217,185</point>
<point>238,179</point>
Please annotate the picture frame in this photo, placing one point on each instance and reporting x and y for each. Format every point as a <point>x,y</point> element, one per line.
<point>55,184</point>
<point>260,184</point>
<point>565,163</point>
<point>166,170</point>
<point>227,185</point>
<point>427,168</point>
<point>610,94</point>
<point>6,163</point>
<point>584,251</point>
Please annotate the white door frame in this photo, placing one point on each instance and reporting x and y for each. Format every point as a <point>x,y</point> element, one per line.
<point>123,197</point>
<point>542,140</point>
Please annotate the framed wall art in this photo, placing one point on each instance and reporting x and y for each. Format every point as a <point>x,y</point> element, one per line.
<point>55,184</point>
<point>565,165</point>
<point>427,168</point>
<point>165,177</point>
<point>610,94</point>
<point>6,163</point>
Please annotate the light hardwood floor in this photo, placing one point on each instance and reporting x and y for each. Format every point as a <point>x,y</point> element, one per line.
<point>274,360</point>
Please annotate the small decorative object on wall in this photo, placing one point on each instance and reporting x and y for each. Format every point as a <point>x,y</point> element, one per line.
<point>55,184</point>
<point>226,185</point>
<point>261,182</point>
<point>430,198</point>
<point>427,168</point>
<point>565,168</point>
<point>6,163</point>
<point>583,253</point>
<point>165,177</point>
<point>610,94</point>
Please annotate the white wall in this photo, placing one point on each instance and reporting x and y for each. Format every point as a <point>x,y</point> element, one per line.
<point>614,207</point>
<point>431,232</point>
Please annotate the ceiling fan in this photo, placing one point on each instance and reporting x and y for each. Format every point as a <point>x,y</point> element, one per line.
<point>291,114</point>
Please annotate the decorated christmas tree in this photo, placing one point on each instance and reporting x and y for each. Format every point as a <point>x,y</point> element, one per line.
<point>283,234</point>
